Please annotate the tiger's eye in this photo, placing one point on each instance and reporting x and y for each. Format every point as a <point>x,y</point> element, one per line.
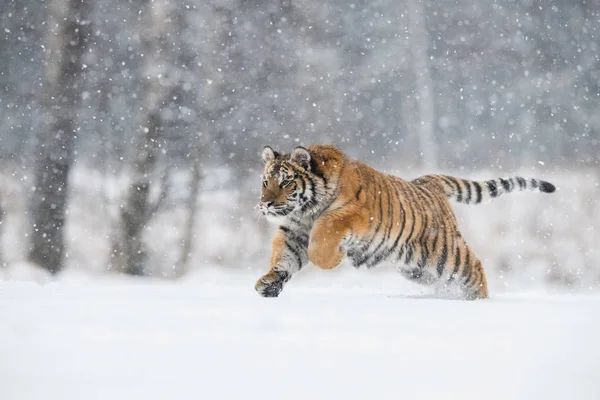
<point>285,183</point>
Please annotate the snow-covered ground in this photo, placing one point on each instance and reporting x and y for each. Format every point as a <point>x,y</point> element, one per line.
<point>211,337</point>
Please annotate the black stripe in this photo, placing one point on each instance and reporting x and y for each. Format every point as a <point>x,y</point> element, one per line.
<point>409,254</point>
<point>454,182</point>
<point>425,219</point>
<point>316,173</point>
<point>492,187</point>
<point>468,187</point>
<point>413,214</point>
<point>378,226</point>
<point>425,252</point>
<point>303,241</point>
<point>412,228</point>
<point>312,199</point>
<point>435,241</point>
<point>512,184</point>
<point>314,168</point>
<point>358,192</point>
<point>456,264</point>
<point>429,199</point>
<point>365,257</point>
<point>285,229</point>
<point>388,229</point>
<point>458,190</point>
<point>401,228</point>
<point>478,191</point>
<point>442,261</point>
<point>424,255</point>
<point>468,280</point>
<point>505,184</point>
<point>401,252</point>
<point>295,253</point>
<point>427,195</point>
<point>534,184</point>
<point>310,180</point>
<point>390,219</point>
<point>303,189</point>
<point>466,273</point>
<point>423,245</point>
<point>358,254</point>
<point>522,183</point>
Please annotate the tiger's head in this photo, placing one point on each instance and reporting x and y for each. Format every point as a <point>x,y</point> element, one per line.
<point>288,185</point>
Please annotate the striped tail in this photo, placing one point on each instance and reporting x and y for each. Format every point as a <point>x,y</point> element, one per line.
<point>474,192</point>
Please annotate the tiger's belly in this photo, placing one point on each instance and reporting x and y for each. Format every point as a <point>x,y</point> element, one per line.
<point>368,253</point>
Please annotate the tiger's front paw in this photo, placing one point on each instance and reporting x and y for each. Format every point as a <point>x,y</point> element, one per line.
<point>271,284</point>
<point>268,289</point>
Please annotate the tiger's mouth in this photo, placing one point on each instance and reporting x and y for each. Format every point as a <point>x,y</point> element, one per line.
<point>280,210</point>
<point>277,215</point>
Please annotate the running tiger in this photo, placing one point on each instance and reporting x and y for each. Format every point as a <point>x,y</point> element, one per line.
<point>328,205</point>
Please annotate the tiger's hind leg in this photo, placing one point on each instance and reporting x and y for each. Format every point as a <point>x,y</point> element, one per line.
<point>414,265</point>
<point>451,268</point>
<point>467,273</point>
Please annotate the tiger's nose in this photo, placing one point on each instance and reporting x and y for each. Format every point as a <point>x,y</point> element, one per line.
<point>266,204</point>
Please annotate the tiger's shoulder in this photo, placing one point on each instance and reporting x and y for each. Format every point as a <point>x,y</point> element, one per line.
<point>350,180</point>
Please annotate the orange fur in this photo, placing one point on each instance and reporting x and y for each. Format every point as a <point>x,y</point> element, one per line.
<point>329,206</point>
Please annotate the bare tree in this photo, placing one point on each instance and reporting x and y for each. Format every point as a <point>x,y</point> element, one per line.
<point>129,252</point>
<point>419,42</point>
<point>192,209</point>
<point>67,40</point>
<point>209,106</point>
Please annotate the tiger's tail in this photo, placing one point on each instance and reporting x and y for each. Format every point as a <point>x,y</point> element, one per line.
<point>474,192</point>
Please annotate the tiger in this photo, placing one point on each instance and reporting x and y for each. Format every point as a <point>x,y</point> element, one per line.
<point>328,206</point>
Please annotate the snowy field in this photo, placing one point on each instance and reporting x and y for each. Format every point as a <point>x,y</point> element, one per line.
<point>212,337</point>
<point>347,333</point>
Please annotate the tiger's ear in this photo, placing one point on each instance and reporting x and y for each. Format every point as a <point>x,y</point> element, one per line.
<point>268,154</point>
<point>301,156</point>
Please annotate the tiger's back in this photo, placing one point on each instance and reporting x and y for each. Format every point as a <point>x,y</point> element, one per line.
<point>412,225</point>
<point>356,211</point>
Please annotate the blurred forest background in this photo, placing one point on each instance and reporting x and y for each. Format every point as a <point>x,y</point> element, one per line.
<point>130,131</point>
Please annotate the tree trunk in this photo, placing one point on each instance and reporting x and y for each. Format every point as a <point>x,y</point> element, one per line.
<point>129,252</point>
<point>67,41</point>
<point>192,209</point>
<point>419,43</point>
